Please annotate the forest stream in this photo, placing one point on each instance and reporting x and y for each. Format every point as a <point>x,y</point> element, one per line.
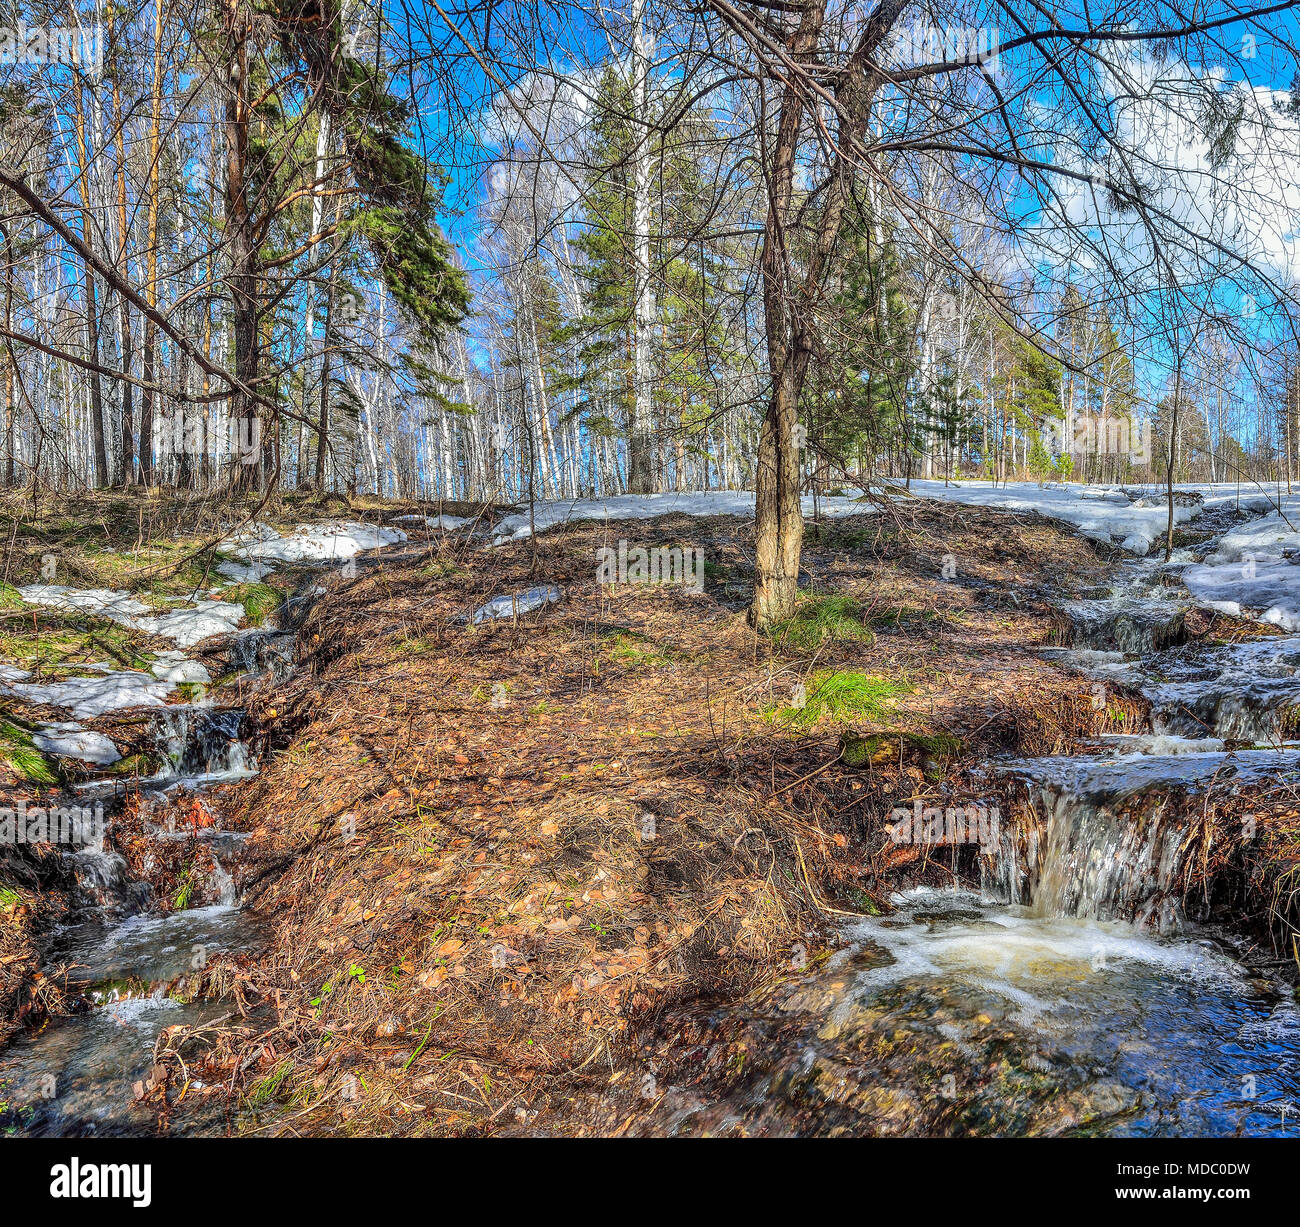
<point>1070,965</point>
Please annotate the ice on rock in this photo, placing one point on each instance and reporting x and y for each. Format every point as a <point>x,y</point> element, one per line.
<point>508,606</point>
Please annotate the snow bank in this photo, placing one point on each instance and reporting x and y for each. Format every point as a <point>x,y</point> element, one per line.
<point>1105,514</point>
<point>70,740</point>
<point>313,542</point>
<point>93,696</point>
<point>648,506</point>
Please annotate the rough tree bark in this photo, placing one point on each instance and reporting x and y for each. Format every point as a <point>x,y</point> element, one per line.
<point>244,424</point>
<point>790,296</point>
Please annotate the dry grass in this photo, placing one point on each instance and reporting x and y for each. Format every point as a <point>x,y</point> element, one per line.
<point>491,856</point>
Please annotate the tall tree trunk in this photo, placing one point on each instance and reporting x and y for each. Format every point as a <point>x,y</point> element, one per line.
<point>7,254</point>
<point>126,473</point>
<point>90,301</point>
<point>790,297</point>
<point>148,358</point>
<point>244,423</point>
<point>640,477</point>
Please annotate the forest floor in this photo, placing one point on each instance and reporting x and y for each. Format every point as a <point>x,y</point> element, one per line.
<point>495,860</point>
<point>493,856</point>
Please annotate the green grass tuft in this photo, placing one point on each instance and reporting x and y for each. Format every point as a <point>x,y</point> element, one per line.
<point>836,695</point>
<point>818,620</point>
<point>22,756</point>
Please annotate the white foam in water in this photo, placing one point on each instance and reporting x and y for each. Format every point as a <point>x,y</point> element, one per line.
<point>1028,959</point>
<point>1154,743</point>
<point>139,1011</point>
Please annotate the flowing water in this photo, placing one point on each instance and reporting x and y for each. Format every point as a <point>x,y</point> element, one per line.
<point>76,1076</point>
<point>1069,994</point>
<point>958,1014</point>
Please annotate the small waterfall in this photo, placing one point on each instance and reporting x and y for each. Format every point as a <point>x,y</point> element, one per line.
<point>102,880</point>
<point>1092,862</point>
<point>224,885</point>
<point>1102,864</point>
<point>1137,615</point>
<point>196,740</point>
<point>1105,838</point>
<point>262,651</point>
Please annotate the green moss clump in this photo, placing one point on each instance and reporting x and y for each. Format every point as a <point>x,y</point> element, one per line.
<point>260,601</point>
<point>857,749</point>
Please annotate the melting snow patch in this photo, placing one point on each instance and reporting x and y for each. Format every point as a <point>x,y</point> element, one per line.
<point>648,506</point>
<point>1104,514</point>
<point>1270,587</point>
<point>244,572</point>
<point>1267,536</point>
<point>186,626</point>
<point>443,522</point>
<point>11,673</point>
<point>69,740</point>
<point>525,602</point>
<point>119,606</point>
<point>314,542</point>
<point>176,667</point>
<point>189,626</point>
<point>93,696</point>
